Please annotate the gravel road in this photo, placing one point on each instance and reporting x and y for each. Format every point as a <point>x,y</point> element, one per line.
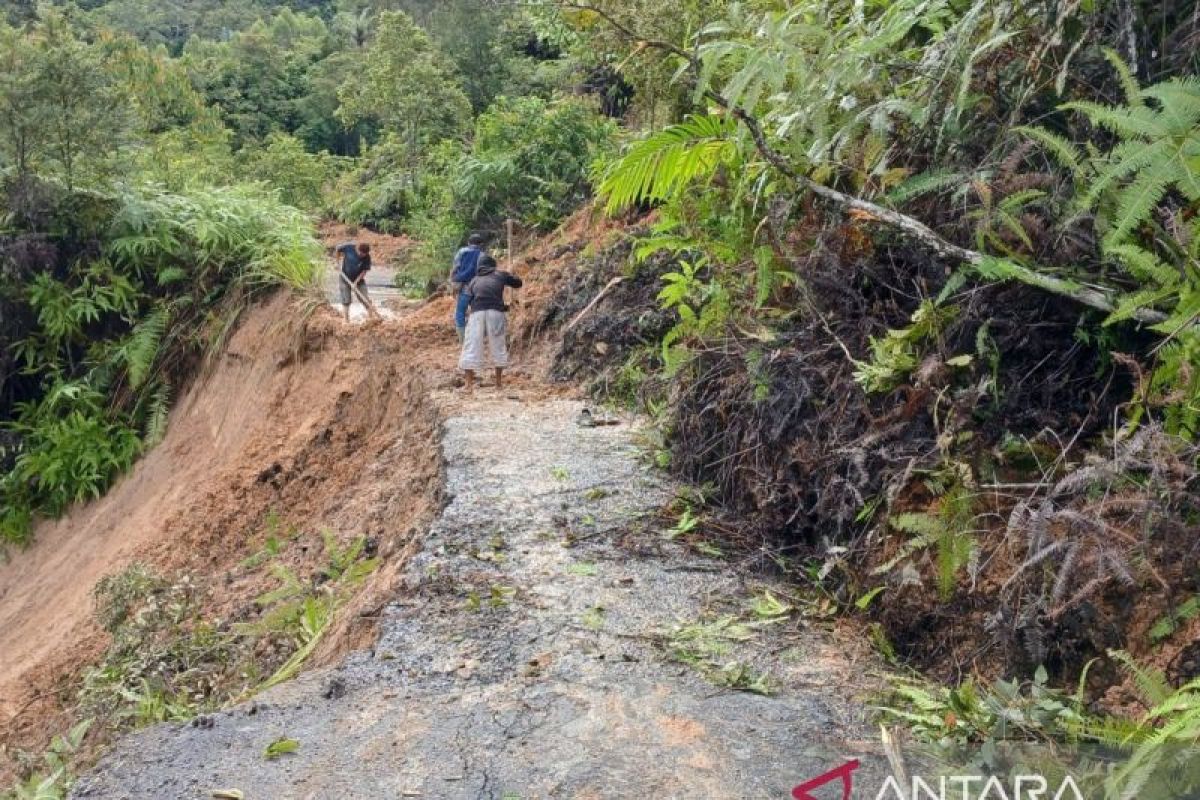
<point>542,646</point>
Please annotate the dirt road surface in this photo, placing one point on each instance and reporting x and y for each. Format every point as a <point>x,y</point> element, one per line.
<point>534,651</point>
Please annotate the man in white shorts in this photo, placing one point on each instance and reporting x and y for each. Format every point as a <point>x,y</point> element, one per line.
<point>487,325</point>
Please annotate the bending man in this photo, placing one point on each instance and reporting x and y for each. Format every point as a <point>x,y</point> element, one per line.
<point>356,262</point>
<point>487,326</point>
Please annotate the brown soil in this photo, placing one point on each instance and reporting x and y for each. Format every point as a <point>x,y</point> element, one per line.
<point>386,251</point>
<point>309,423</point>
<point>323,426</point>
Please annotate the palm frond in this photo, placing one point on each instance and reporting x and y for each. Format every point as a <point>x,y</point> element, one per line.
<point>664,164</point>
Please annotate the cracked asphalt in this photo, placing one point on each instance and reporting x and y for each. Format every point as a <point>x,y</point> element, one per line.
<point>536,650</point>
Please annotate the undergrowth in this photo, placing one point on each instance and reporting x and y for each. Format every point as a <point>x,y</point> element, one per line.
<point>170,659</point>
<point>120,310</point>
<point>928,274</point>
<point>1008,728</point>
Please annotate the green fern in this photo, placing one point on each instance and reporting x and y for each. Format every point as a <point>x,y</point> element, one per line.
<point>895,356</point>
<point>141,348</point>
<point>1176,382</point>
<point>158,415</point>
<point>170,275</point>
<point>947,530</point>
<point>1151,683</point>
<point>1064,150</point>
<point>666,163</point>
<point>1159,151</point>
<point>1166,627</point>
<point>1166,742</point>
<point>1002,269</point>
<point>925,183</point>
<point>1129,84</point>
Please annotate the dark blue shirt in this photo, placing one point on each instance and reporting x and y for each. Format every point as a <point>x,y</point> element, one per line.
<point>353,264</point>
<point>464,274</point>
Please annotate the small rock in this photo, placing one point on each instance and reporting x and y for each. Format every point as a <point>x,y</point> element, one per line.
<point>270,472</point>
<point>335,689</point>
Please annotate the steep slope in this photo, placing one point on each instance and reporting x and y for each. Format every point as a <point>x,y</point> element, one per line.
<point>308,422</point>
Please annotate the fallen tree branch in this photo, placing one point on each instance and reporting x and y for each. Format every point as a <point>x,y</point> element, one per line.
<point>914,228</point>
<point>910,226</point>
<point>595,300</point>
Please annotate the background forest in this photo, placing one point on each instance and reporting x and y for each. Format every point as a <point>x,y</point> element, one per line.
<point>911,288</point>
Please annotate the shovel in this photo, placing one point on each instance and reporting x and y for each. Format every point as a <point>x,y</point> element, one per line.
<point>362,298</point>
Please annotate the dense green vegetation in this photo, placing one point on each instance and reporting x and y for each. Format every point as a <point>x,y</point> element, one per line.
<point>864,211</point>
<point>918,305</point>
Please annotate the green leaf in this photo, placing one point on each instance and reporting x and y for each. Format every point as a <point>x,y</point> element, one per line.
<point>667,162</point>
<point>863,602</point>
<point>280,747</point>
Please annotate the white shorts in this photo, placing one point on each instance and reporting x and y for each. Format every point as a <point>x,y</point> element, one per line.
<point>486,331</point>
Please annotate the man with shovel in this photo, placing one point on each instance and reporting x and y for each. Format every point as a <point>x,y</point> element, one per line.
<point>352,283</point>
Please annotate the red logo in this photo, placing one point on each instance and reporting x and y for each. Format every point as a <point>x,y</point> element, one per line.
<point>801,792</point>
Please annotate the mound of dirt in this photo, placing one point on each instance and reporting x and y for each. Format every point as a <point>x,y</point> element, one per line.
<point>320,426</point>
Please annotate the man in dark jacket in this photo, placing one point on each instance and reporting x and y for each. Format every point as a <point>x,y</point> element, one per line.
<point>356,262</point>
<point>487,326</point>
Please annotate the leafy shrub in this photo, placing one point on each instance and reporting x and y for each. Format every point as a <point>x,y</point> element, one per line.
<point>70,458</point>
<point>1112,757</point>
<point>438,236</point>
<point>380,192</point>
<point>301,178</point>
<point>214,235</point>
<point>530,160</point>
<point>52,778</point>
<point>972,714</point>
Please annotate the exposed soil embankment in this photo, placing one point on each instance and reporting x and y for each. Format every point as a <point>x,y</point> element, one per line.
<point>302,425</point>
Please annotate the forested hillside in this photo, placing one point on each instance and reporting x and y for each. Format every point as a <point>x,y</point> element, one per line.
<point>910,290</point>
